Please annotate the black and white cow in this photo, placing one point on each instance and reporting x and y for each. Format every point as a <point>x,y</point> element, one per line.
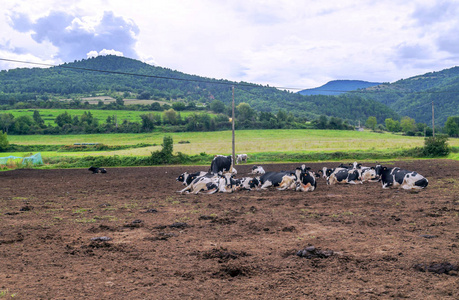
<point>221,164</point>
<point>368,174</point>
<point>306,180</point>
<point>95,170</point>
<point>186,178</point>
<point>344,175</point>
<point>248,183</point>
<point>212,183</point>
<point>396,177</point>
<point>284,180</point>
<point>258,170</point>
<point>326,172</point>
<point>241,158</point>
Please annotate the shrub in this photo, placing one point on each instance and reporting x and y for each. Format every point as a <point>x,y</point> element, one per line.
<point>436,146</point>
<point>3,141</point>
<point>165,155</point>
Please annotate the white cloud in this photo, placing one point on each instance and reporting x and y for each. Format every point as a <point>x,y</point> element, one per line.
<point>103,52</point>
<point>281,43</point>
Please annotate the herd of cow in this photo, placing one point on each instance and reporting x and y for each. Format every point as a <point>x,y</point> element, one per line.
<point>221,177</point>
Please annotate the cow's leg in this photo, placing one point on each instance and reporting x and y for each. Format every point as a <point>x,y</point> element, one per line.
<point>185,190</point>
<point>285,184</point>
<point>198,187</point>
<point>266,185</point>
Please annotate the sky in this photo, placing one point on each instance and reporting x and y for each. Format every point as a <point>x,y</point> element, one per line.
<point>289,44</point>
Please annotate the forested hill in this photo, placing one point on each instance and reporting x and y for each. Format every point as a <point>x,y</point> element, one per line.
<point>338,87</point>
<point>73,80</point>
<point>413,96</point>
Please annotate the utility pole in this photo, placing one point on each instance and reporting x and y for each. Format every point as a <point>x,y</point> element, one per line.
<point>433,120</point>
<point>232,120</point>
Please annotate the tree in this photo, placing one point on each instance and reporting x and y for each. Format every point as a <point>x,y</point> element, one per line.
<point>119,100</point>
<point>217,106</point>
<point>148,122</point>
<point>170,116</point>
<point>86,118</point>
<point>6,120</point>
<point>452,126</point>
<point>178,106</point>
<point>436,146</point>
<point>371,123</point>
<point>408,124</point>
<point>3,141</point>
<point>164,155</point>
<point>62,119</point>
<point>322,122</point>
<point>244,112</point>
<point>38,119</point>
<point>155,106</point>
<point>392,125</point>
<point>335,123</point>
<point>22,124</point>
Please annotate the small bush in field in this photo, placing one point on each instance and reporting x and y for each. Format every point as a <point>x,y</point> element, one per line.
<point>436,146</point>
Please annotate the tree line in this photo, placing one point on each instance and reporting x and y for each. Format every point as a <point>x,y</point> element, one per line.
<point>168,120</point>
<point>44,86</point>
<point>409,127</point>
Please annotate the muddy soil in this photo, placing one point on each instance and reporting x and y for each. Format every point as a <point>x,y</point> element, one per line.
<point>127,234</point>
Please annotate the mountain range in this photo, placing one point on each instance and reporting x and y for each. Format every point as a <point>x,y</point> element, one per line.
<point>356,101</point>
<point>338,87</point>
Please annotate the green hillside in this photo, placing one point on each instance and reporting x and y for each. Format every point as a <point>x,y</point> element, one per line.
<point>413,96</point>
<point>115,74</point>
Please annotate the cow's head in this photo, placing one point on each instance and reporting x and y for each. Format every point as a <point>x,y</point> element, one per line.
<point>182,177</point>
<point>254,183</point>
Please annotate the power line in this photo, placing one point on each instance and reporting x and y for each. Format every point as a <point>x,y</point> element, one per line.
<point>215,81</point>
<point>136,74</point>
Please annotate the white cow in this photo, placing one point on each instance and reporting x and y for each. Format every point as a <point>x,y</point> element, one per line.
<point>241,158</point>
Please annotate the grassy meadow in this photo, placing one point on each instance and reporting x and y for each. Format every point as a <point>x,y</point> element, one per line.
<point>49,115</point>
<point>219,142</point>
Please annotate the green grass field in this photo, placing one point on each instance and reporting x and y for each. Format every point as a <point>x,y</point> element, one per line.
<point>49,115</point>
<point>247,141</point>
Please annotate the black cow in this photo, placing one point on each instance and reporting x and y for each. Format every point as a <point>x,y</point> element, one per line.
<point>220,164</point>
<point>95,170</point>
<point>396,177</point>
<point>284,180</point>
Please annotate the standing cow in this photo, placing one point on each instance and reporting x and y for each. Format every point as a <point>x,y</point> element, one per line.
<point>221,164</point>
<point>241,158</point>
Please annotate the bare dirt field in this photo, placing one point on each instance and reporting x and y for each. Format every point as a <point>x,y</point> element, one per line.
<point>127,234</point>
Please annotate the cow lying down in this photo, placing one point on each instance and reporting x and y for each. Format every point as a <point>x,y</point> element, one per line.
<point>186,178</point>
<point>396,177</point>
<point>95,170</point>
<point>352,174</point>
<point>282,180</point>
<point>301,180</point>
<point>211,183</point>
<point>257,170</point>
